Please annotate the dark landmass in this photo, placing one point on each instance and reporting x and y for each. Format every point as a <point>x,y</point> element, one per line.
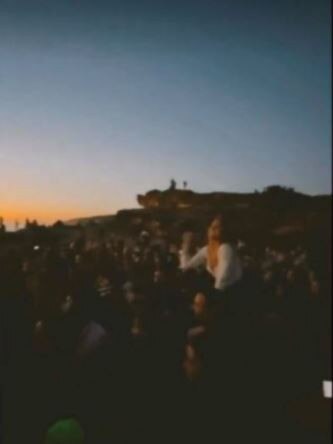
<point>259,217</point>
<point>277,209</point>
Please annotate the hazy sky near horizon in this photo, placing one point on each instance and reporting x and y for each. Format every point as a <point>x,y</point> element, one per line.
<point>103,99</point>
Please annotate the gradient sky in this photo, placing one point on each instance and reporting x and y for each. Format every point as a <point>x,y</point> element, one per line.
<point>101,100</point>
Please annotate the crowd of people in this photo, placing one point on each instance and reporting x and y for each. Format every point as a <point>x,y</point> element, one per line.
<point>150,340</point>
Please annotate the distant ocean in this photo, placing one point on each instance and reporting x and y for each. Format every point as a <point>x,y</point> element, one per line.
<point>11,225</point>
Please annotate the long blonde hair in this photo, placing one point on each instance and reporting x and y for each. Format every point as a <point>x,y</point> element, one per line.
<point>214,241</point>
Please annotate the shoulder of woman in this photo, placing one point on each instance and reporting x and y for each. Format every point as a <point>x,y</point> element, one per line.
<point>225,249</point>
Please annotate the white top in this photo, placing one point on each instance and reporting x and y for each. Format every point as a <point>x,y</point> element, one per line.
<point>327,389</point>
<point>228,270</point>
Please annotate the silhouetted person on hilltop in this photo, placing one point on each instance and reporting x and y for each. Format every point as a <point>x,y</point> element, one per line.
<point>173,184</point>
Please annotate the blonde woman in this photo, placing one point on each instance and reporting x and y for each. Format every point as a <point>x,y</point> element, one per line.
<point>219,256</point>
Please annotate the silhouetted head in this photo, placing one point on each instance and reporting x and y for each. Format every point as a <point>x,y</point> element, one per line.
<point>158,275</point>
<point>199,304</point>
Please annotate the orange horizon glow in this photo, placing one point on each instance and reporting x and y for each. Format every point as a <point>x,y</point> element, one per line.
<point>48,216</point>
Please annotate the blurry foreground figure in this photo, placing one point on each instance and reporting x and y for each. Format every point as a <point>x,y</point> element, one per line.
<point>67,431</point>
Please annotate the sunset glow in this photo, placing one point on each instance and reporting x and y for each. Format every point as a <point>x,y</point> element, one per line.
<point>116,100</point>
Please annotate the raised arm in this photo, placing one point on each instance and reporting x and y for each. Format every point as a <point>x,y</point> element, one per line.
<point>188,262</point>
